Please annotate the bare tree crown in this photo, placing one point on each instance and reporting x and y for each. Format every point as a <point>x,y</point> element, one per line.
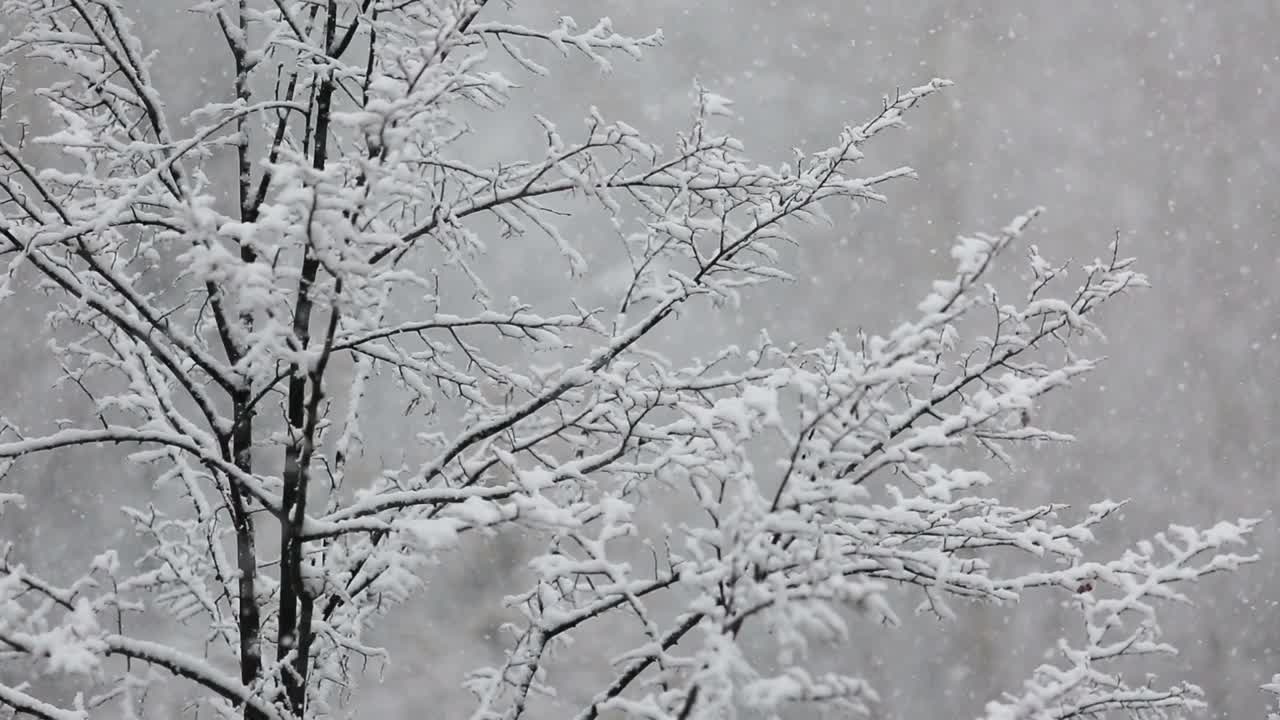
<point>229,286</point>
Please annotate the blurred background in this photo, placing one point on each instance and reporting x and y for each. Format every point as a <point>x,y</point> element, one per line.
<point>1152,119</point>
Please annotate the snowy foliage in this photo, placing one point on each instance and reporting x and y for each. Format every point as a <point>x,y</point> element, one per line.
<point>1273,687</point>
<point>228,327</point>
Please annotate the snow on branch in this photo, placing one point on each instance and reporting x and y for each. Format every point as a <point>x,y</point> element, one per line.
<point>1118,601</point>
<point>1273,687</point>
<point>705,521</point>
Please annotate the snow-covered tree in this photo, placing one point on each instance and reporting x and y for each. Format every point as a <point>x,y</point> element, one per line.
<point>1273,687</point>
<point>718,516</point>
